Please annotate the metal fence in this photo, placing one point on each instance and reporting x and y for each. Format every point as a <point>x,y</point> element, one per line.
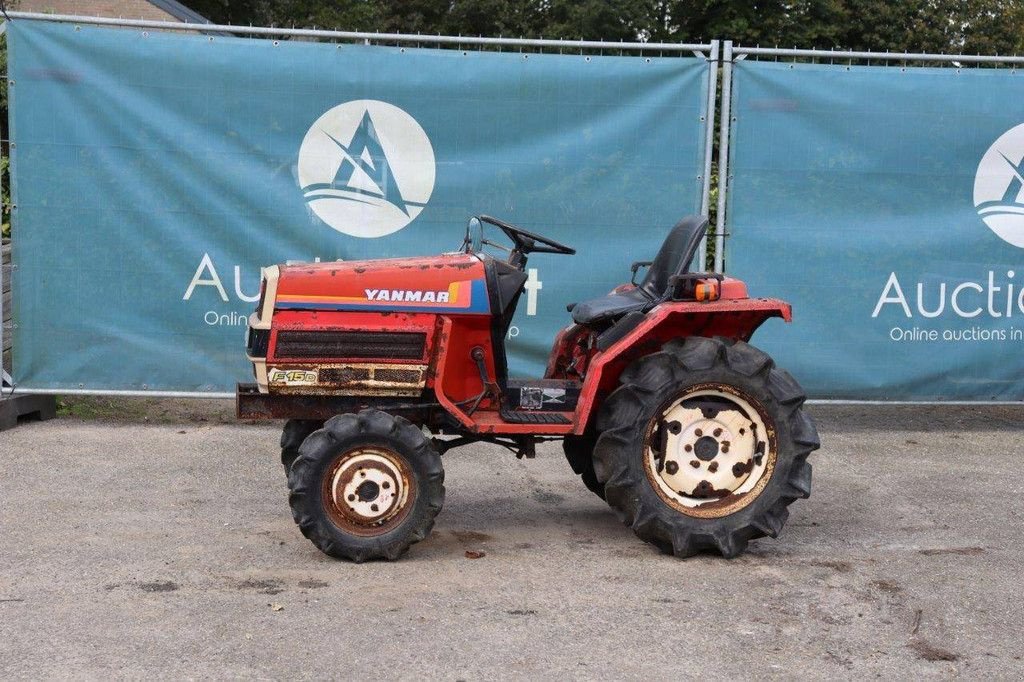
<point>720,109</point>
<point>709,52</point>
<point>731,54</point>
<point>877,193</point>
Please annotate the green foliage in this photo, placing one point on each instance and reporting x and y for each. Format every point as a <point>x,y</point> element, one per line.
<point>970,26</point>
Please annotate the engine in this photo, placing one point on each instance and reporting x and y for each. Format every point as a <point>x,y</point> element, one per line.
<point>358,328</point>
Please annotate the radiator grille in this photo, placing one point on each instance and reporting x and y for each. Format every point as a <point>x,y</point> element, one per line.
<point>397,376</point>
<point>343,375</point>
<point>384,345</point>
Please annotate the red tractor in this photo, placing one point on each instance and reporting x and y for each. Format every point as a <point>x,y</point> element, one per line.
<point>691,434</point>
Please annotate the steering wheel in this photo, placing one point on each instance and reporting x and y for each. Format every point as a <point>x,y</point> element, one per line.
<point>529,242</point>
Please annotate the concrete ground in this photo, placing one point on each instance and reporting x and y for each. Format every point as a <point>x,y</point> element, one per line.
<point>168,550</point>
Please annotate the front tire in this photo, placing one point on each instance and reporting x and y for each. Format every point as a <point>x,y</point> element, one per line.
<point>366,486</point>
<point>579,451</point>
<point>703,446</point>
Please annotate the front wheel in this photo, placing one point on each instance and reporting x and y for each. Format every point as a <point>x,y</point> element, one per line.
<point>579,451</point>
<point>704,445</point>
<point>366,486</point>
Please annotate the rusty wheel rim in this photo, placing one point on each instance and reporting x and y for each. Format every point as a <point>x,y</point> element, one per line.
<point>710,451</point>
<point>368,491</point>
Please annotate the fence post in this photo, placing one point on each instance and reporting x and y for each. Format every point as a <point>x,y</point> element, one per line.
<point>709,146</point>
<point>5,286</point>
<point>723,156</point>
<point>5,313</point>
<point>13,408</point>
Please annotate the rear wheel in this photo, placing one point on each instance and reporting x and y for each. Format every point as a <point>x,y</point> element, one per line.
<point>366,486</point>
<point>294,433</point>
<point>704,445</point>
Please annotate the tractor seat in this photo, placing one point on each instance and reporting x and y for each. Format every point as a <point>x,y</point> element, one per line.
<point>673,258</point>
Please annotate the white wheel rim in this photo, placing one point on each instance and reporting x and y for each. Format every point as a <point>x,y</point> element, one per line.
<point>366,490</point>
<point>710,452</point>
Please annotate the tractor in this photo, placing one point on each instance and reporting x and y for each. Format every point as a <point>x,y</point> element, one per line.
<point>692,435</point>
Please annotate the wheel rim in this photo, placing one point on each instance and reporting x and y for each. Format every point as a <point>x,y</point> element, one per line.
<point>368,491</point>
<point>710,451</point>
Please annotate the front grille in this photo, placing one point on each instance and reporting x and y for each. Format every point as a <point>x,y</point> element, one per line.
<point>257,343</point>
<point>397,376</point>
<point>343,375</point>
<point>383,345</point>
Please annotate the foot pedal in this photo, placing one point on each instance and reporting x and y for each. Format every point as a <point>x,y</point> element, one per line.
<point>520,417</point>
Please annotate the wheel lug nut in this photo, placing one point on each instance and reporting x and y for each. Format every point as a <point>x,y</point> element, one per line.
<point>718,432</point>
<point>698,433</point>
<point>713,467</point>
<point>671,467</point>
<point>695,463</point>
<point>688,448</point>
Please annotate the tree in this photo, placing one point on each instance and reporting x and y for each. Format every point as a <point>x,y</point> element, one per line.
<point>951,26</point>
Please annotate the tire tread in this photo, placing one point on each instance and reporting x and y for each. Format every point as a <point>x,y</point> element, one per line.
<point>622,421</point>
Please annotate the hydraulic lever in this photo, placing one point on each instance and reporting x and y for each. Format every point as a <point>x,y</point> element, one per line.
<point>490,387</point>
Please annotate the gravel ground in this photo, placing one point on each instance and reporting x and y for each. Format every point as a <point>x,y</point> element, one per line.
<point>167,550</point>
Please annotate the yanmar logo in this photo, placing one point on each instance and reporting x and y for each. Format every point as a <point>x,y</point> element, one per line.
<point>366,168</point>
<point>407,295</point>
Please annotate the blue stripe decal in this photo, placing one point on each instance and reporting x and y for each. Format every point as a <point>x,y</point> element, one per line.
<point>479,305</point>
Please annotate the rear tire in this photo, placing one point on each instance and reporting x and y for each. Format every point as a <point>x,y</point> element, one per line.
<point>366,486</point>
<point>294,433</point>
<point>579,450</point>
<point>665,485</point>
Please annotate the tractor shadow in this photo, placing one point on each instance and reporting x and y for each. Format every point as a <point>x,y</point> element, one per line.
<point>524,522</point>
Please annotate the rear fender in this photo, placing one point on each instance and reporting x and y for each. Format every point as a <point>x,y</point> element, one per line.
<point>735,319</point>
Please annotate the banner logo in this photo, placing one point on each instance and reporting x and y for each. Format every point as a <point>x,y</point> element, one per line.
<point>999,187</point>
<point>366,168</point>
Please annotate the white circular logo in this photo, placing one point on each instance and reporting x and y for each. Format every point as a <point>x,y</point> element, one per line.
<point>366,168</point>
<point>999,186</point>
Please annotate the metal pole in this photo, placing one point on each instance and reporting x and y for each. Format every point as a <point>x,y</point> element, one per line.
<point>123,394</point>
<point>228,396</point>
<point>723,156</point>
<point>880,56</point>
<point>709,147</point>
<point>5,378</point>
<point>356,35</point>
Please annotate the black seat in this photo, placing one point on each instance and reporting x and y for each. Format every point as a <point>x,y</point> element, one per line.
<point>673,258</point>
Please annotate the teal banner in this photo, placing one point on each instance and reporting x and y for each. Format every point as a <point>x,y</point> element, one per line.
<point>887,204</point>
<point>154,173</point>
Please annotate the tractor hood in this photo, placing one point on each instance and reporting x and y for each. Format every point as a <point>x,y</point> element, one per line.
<point>452,283</point>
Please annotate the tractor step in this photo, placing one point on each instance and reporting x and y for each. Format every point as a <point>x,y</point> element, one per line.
<point>521,417</point>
